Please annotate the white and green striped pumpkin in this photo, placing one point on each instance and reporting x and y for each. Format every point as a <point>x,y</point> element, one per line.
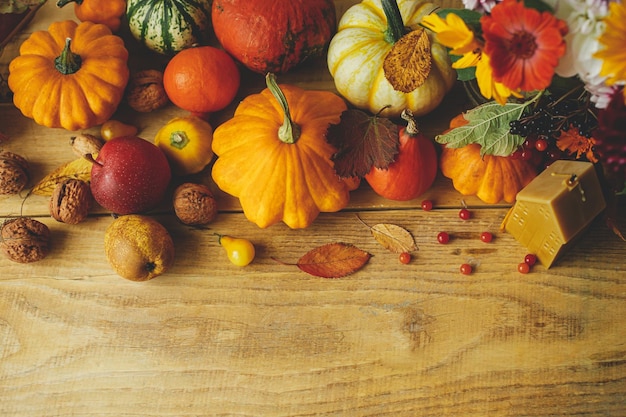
<point>168,26</point>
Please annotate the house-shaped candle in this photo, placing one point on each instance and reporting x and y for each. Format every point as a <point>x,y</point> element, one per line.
<point>555,208</point>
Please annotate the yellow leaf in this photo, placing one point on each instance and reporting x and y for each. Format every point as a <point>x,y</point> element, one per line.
<point>393,237</point>
<point>79,169</point>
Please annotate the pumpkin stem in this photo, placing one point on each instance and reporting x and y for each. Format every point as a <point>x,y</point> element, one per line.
<point>68,62</point>
<point>179,139</point>
<point>62,3</point>
<point>289,132</point>
<point>411,128</point>
<point>395,25</point>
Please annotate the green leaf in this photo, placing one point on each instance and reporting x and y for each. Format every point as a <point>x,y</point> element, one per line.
<point>488,126</point>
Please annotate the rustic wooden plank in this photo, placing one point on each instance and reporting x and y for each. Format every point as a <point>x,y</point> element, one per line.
<point>209,338</point>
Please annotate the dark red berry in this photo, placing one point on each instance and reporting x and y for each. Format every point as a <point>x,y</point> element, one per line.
<point>486,237</point>
<point>405,258</point>
<point>530,259</point>
<point>427,205</point>
<point>465,214</point>
<point>466,269</point>
<point>443,237</point>
<point>523,268</point>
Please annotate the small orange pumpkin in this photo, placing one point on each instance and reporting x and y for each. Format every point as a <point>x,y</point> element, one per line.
<point>488,177</point>
<point>273,155</point>
<point>71,76</point>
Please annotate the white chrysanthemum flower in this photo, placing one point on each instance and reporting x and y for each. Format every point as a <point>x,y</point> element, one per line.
<point>483,6</point>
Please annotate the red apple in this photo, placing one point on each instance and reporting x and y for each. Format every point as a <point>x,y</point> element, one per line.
<point>130,175</point>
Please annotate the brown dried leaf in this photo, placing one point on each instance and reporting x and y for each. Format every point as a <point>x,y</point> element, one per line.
<point>333,260</point>
<point>362,141</point>
<point>408,63</point>
<point>79,169</point>
<point>393,237</point>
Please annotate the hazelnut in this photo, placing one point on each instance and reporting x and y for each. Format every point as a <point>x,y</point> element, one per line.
<point>146,92</point>
<point>85,144</point>
<point>24,240</point>
<point>71,201</point>
<point>194,204</point>
<point>13,173</point>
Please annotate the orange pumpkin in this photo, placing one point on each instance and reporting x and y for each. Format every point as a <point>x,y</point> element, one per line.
<point>490,178</point>
<point>273,155</point>
<point>71,76</point>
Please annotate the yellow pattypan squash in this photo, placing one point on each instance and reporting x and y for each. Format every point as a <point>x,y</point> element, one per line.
<point>71,76</point>
<point>186,142</point>
<point>366,34</point>
<point>273,155</point>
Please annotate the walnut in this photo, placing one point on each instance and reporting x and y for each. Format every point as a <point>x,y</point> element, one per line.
<point>85,144</point>
<point>24,240</point>
<point>146,92</point>
<point>194,204</point>
<point>71,201</point>
<point>13,173</point>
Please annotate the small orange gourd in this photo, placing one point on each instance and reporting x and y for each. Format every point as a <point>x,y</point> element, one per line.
<point>490,178</point>
<point>71,76</point>
<point>273,155</point>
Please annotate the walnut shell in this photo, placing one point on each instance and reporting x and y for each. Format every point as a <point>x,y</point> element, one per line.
<point>194,204</point>
<point>13,173</point>
<point>24,240</point>
<point>145,91</point>
<point>71,201</point>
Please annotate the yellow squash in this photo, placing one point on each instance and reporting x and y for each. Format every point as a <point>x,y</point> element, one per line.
<point>71,76</point>
<point>186,142</point>
<point>273,155</point>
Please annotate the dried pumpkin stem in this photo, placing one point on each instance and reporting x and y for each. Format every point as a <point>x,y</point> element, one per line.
<point>411,128</point>
<point>289,131</point>
<point>68,62</point>
<point>395,25</point>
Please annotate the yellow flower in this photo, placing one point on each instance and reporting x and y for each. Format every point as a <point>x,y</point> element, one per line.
<point>614,39</point>
<point>452,32</point>
<point>489,88</point>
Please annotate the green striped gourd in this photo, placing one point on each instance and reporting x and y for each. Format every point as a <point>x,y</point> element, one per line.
<point>168,26</point>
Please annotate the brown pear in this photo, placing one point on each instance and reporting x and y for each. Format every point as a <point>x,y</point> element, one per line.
<point>138,247</point>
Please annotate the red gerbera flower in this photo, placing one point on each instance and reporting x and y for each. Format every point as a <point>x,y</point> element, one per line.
<point>525,45</point>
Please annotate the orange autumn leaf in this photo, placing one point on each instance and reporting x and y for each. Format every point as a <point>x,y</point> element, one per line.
<point>573,142</point>
<point>333,260</point>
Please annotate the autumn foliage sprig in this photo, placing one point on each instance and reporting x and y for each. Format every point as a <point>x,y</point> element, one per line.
<point>527,58</point>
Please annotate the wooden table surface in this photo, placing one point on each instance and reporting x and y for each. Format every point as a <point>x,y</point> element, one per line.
<point>211,339</point>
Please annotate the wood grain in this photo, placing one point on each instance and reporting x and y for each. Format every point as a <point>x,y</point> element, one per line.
<point>211,339</point>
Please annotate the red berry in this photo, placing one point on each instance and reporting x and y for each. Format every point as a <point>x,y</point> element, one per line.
<point>443,237</point>
<point>486,237</point>
<point>530,259</point>
<point>541,145</point>
<point>427,205</point>
<point>523,268</point>
<point>465,214</point>
<point>405,258</point>
<point>526,155</point>
<point>466,269</point>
